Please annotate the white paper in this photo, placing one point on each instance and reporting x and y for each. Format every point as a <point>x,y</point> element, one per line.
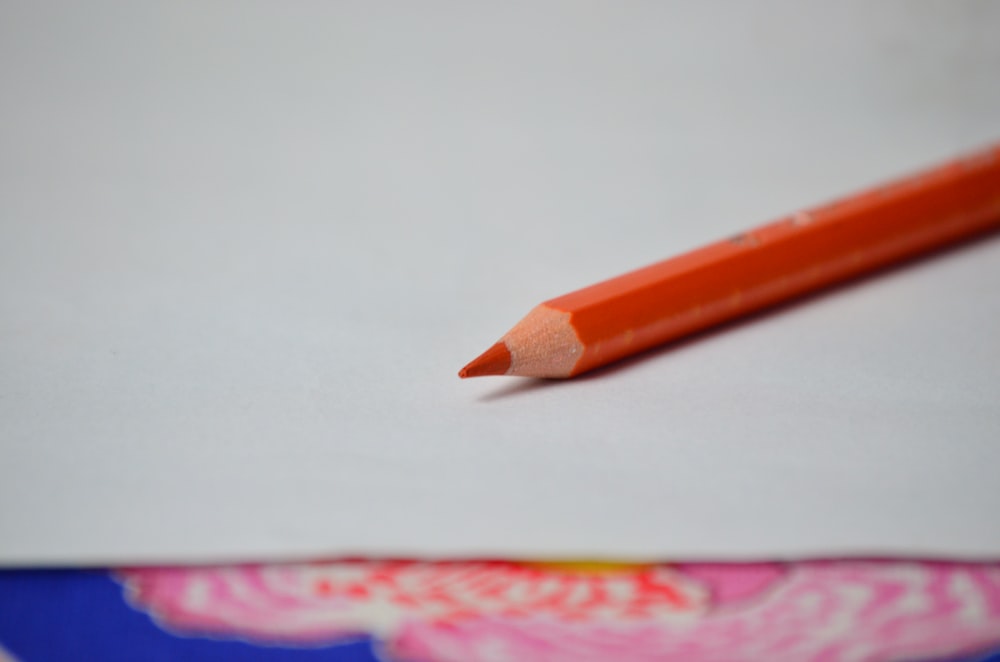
<point>245,247</point>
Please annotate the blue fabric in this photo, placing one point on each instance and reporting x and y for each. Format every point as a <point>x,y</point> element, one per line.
<point>64,615</point>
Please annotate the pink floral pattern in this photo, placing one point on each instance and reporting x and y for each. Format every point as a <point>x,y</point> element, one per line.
<point>498,611</point>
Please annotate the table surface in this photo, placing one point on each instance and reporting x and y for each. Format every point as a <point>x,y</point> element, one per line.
<point>403,611</point>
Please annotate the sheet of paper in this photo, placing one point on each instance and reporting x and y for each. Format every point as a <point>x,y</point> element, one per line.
<point>245,247</point>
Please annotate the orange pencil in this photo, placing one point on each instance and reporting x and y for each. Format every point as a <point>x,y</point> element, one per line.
<point>811,249</point>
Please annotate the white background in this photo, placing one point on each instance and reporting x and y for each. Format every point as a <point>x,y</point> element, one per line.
<point>245,246</point>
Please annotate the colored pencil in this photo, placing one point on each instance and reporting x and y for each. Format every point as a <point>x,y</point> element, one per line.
<point>808,250</point>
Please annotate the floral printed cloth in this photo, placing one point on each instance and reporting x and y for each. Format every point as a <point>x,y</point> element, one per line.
<point>494,611</point>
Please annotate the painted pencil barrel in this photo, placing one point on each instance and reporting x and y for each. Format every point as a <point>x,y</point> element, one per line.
<point>779,261</point>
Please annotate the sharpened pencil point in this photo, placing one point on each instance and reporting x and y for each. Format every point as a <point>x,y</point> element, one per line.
<point>494,361</point>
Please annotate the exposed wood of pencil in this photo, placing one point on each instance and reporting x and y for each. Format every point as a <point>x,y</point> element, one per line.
<point>583,330</point>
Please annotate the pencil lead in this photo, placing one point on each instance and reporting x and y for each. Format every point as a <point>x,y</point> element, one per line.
<point>494,361</point>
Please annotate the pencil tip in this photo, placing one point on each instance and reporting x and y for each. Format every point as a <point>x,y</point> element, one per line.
<point>494,361</point>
